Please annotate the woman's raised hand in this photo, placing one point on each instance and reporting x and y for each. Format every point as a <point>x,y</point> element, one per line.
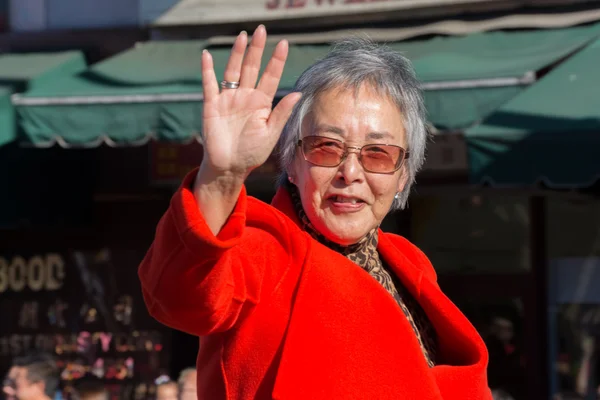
<point>240,127</point>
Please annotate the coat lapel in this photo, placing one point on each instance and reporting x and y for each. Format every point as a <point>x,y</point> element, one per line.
<point>463,358</point>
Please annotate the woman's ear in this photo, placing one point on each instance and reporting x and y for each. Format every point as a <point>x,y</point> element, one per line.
<point>403,179</point>
<point>291,174</point>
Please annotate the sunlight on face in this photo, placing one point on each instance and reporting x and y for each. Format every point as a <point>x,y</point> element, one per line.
<point>345,203</point>
<point>167,391</point>
<point>188,390</point>
<point>9,387</point>
<point>25,389</point>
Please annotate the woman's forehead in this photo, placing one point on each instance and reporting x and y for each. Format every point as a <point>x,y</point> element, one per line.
<point>365,115</point>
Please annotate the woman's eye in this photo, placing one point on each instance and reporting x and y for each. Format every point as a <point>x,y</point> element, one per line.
<point>376,150</point>
<point>328,144</point>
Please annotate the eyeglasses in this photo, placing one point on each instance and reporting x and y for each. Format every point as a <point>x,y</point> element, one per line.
<point>376,158</point>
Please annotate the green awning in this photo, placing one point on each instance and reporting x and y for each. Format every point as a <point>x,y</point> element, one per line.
<point>8,131</point>
<point>549,133</point>
<point>151,91</point>
<point>20,72</point>
<point>491,67</point>
<point>154,89</point>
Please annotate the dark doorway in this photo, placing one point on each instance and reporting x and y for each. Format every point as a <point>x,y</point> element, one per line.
<point>184,352</point>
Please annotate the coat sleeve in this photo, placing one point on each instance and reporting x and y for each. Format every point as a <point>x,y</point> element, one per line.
<point>200,283</point>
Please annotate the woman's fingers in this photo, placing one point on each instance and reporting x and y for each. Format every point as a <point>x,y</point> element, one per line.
<point>234,65</point>
<point>251,64</point>
<point>209,80</point>
<point>270,79</point>
<point>281,113</point>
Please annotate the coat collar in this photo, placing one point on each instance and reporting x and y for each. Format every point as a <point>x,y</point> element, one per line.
<point>404,268</point>
<point>283,202</point>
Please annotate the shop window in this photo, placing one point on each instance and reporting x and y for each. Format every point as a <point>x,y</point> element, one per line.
<point>574,297</point>
<point>474,234</point>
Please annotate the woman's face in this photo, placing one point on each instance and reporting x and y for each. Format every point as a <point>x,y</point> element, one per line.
<point>328,193</point>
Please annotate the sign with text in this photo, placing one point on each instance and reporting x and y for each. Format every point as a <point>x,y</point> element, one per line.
<point>226,11</point>
<point>85,308</point>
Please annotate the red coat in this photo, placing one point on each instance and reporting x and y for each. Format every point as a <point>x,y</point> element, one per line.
<point>282,316</point>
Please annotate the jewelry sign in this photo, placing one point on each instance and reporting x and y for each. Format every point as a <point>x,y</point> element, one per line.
<point>85,308</point>
<point>187,12</point>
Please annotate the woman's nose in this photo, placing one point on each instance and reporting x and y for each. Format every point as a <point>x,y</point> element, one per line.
<point>350,170</point>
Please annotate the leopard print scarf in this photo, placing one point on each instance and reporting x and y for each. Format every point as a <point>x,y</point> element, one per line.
<point>364,253</point>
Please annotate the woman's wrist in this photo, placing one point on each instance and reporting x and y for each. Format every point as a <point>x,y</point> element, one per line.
<point>216,195</point>
<point>226,183</point>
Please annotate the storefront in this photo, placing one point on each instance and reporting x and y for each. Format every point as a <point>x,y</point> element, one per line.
<point>133,124</point>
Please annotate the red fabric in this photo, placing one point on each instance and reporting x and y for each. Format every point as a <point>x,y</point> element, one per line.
<point>281,316</point>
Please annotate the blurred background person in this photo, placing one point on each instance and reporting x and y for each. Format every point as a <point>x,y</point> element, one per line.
<point>166,389</point>
<point>187,384</point>
<point>506,370</point>
<point>91,390</point>
<point>33,377</point>
<point>9,386</point>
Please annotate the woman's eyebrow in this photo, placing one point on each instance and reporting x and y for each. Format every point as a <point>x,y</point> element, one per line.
<point>380,135</point>
<point>376,135</point>
<point>330,129</point>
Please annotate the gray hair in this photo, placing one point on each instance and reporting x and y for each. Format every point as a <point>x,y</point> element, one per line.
<point>348,65</point>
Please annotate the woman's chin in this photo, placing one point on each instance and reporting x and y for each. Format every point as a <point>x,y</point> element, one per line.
<point>345,237</point>
<point>344,230</point>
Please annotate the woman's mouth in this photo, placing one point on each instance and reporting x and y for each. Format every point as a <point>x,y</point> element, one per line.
<point>345,204</point>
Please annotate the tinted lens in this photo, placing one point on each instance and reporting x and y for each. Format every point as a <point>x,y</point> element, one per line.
<point>322,151</point>
<point>381,158</point>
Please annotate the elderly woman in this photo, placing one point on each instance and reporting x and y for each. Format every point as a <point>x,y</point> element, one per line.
<point>307,298</point>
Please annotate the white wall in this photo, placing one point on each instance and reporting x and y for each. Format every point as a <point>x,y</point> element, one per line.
<point>27,15</point>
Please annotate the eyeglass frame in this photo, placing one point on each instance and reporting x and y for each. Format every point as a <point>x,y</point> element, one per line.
<point>358,153</point>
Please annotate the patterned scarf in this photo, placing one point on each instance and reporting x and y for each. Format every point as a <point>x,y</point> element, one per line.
<point>364,253</point>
